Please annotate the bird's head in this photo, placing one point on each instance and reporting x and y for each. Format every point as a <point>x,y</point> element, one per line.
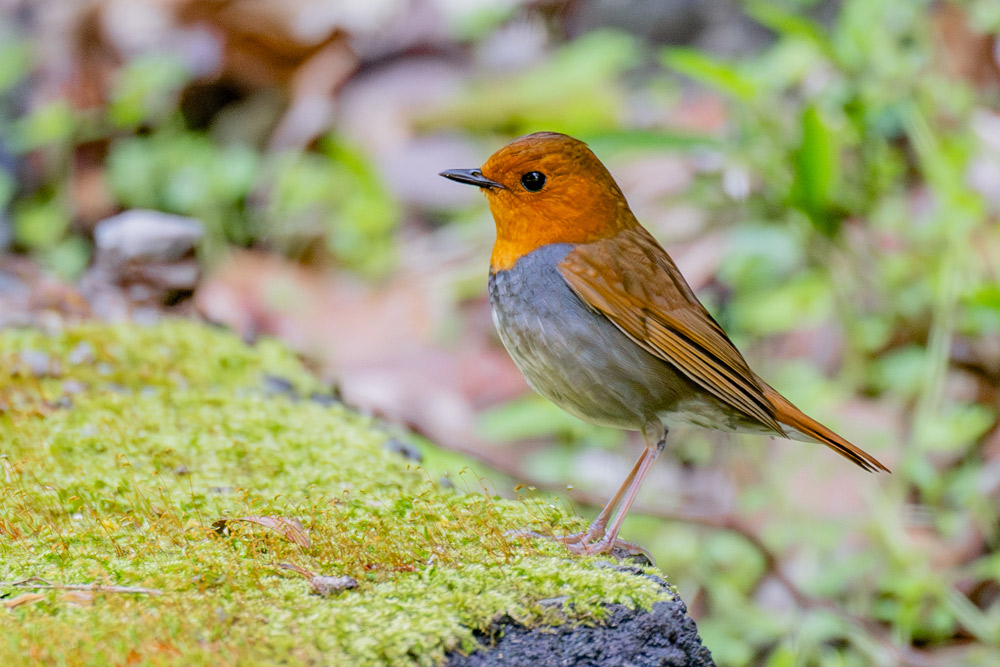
<point>546,188</point>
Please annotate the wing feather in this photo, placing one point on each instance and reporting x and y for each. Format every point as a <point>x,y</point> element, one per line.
<point>634,283</point>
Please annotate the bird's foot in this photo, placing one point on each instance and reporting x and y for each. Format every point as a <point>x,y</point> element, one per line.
<point>619,549</point>
<point>588,544</point>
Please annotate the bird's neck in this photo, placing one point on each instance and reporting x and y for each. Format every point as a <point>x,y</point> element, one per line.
<point>518,235</point>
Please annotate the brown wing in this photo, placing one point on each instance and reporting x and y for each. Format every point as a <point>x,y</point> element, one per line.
<point>635,284</point>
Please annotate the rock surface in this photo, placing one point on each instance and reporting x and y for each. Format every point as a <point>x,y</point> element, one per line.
<point>664,636</point>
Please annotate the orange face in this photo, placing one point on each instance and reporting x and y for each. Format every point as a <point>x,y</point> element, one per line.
<point>547,188</point>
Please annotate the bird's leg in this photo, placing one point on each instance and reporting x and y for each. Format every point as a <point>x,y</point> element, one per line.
<point>609,540</point>
<point>596,529</point>
<point>597,538</point>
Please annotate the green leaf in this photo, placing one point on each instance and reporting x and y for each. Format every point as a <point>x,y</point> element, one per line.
<point>789,24</point>
<point>955,427</point>
<point>758,255</point>
<point>900,371</point>
<point>796,303</point>
<point>985,296</point>
<point>711,72</point>
<point>817,171</point>
<point>576,90</point>
<point>69,257</point>
<point>7,188</point>
<point>52,123</point>
<point>15,62</point>
<point>535,417</point>
<point>40,224</point>
<point>145,88</point>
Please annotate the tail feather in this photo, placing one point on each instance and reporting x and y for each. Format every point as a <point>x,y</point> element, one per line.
<point>788,414</point>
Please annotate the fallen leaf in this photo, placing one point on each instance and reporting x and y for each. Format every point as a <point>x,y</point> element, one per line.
<point>289,527</point>
<point>78,598</point>
<point>23,599</point>
<point>308,574</point>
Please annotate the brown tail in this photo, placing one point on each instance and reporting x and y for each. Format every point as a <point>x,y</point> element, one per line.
<point>786,413</point>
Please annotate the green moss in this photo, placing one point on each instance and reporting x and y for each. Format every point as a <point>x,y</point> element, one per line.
<point>133,441</point>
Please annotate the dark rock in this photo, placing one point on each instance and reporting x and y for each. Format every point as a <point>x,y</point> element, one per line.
<point>404,449</point>
<point>326,400</point>
<point>279,386</point>
<point>664,636</point>
<point>327,586</point>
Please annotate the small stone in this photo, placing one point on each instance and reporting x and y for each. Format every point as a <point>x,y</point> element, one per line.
<point>39,363</point>
<point>404,449</point>
<point>145,316</point>
<point>83,353</point>
<point>279,386</point>
<point>326,586</point>
<point>71,387</point>
<point>147,236</point>
<point>326,400</point>
<point>554,602</point>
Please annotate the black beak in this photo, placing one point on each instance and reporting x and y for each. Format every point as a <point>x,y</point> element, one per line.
<point>470,177</point>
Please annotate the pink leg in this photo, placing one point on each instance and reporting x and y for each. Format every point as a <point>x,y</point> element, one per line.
<point>596,529</point>
<point>608,541</point>
<point>583,543</point>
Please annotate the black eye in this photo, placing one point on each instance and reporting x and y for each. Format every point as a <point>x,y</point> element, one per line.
<point>533,181</point>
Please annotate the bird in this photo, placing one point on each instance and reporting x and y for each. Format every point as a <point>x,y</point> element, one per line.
<point>600,321</point>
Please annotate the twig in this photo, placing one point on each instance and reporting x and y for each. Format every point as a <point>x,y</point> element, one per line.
<point>37,583</point>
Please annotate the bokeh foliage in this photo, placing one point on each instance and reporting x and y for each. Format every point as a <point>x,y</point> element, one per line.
<point>288,200</point>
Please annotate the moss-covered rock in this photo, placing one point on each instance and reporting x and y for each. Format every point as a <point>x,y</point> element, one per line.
<point>122,448</point>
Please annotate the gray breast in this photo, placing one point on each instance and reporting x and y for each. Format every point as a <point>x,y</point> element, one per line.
<point>573,355</point>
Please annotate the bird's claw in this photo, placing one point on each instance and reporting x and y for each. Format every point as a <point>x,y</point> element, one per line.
<point>586,544</point>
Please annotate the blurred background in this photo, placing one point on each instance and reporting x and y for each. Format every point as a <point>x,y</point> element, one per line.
<point>826,174</point>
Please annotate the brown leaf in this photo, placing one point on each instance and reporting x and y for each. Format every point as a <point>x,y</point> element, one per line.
<point>289,527</point>
<point>78,598</point>
<point>308,574</point>
<point>23,599</point>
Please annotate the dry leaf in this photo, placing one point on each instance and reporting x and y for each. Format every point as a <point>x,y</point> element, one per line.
<point>290,527</point>
<point>23,599</point>
<point>308,574</point>
<point>78,598</point>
